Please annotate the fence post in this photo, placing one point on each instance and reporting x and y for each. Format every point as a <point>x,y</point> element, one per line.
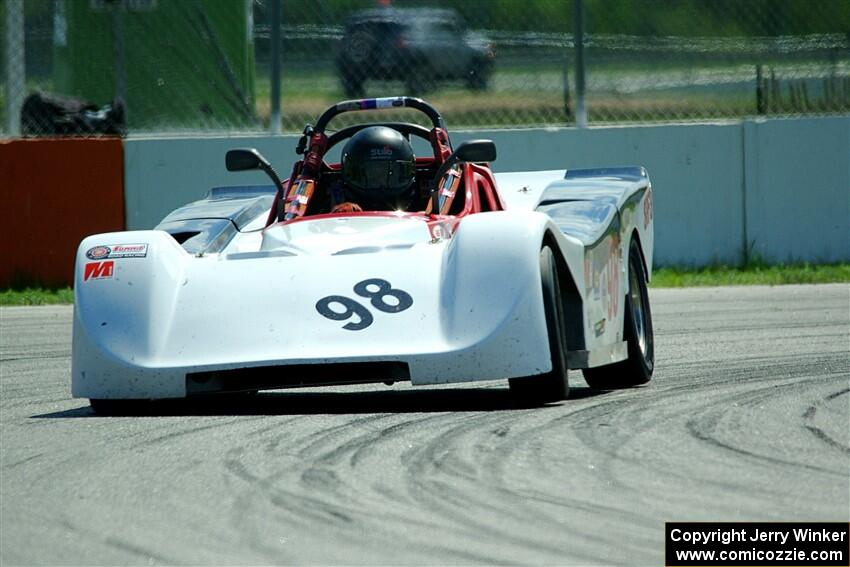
<point>15,65</point>
<point>274,120</point>
<point>568,112</point>
<point>578,16</point>
<point>118,50</point>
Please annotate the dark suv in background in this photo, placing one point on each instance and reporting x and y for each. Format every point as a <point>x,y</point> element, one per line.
<point>419,46</point>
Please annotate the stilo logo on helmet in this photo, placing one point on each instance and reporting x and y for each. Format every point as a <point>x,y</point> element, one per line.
<point>385,152</point>
<point>379,169</point>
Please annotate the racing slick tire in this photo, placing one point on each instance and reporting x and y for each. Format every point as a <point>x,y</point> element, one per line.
<point>554,385</point>
<point>637,368</point>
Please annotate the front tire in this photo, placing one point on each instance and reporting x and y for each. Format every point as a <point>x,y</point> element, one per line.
<point>638,367</point>
<point>554,385</point>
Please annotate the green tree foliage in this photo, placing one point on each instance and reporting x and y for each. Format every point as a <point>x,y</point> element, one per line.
<point>633,17</point>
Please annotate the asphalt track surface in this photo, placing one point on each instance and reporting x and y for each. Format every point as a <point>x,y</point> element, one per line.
<point>746,419</point>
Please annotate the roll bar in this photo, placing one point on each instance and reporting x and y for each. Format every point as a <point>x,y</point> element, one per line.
<point>377,104</point>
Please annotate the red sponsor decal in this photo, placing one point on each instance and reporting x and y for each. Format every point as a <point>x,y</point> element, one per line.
<point>98,270</point>
<point>124,249</point>
<point>647,208</point>
<point>614,278</point>
<point>443,229</point>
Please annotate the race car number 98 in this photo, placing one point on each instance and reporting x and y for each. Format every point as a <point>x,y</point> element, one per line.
<point>376,290</point>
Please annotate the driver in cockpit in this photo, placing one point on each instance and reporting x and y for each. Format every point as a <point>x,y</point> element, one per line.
<point>378,173</point>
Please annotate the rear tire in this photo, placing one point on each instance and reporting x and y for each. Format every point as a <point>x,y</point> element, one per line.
<point>554,385</point>
<point>637,368</point>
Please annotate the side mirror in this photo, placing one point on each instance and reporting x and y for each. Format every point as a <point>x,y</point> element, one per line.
<point>476,150</point>
<point>245,159</point>
<point>469,151</point>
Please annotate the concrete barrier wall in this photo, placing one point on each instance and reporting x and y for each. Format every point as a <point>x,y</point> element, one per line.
<point>695,170</point>
<point>163,174</point>
<point>798,189</point>
<point>54,192</point>
<point>779,189</point>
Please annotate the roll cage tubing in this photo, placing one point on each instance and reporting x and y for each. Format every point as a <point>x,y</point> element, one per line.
<point>380,103</point>
<point>314,143</point>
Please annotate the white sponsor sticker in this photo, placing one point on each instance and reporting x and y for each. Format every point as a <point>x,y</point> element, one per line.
<point>109,251</point>
<point>388,102</point>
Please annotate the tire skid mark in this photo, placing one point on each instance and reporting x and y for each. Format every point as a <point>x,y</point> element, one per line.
<point>290,506</point>
<point>548,467</point>
<point>612,445</point>
<point>837,394</point>
<point>702,428</point>
<point>296,508</point>
<point>23,461</point>
<point>276,425</point>
<point>348,454</point>
<point>521,502</point>
<point>321,481</point>
<point>758,367</point>
<point>362,442</point>
<point>442,480</point>
<point>180,433</point>
<point>313,442</point>
<point>136,550</point>
<point>85,537</point>
<point>723,327</point>
<point>320,489</point>
<point>696,427</point>
<point>362,452</point>
<point>244,503</point>
<point>438,455</point>
<point>46,356</point>
<point>809,416</point>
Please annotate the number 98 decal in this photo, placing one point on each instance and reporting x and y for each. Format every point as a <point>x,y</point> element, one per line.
<point>381,294</point>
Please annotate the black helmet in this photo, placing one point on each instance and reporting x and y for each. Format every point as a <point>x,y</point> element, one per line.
<point>378,169</point>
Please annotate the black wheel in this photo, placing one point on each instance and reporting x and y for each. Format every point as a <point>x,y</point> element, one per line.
<point>478,77</point>
<point>352,84</point>
<point>360,50</point>
<point>360,47</point>
<point>637,368</point>
<point>554,385</point>
<point>119,407</point>
<point>420,81</point>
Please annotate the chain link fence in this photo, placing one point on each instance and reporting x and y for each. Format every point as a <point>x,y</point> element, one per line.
<point>204,66</point>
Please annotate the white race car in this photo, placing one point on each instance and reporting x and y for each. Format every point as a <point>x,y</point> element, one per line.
<point>517,276</point>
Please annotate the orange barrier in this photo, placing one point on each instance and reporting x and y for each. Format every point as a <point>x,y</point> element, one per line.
<point>53,192</point>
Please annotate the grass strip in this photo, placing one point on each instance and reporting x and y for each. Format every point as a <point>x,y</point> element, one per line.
<point>37,296</point>
<point>755,274</point>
